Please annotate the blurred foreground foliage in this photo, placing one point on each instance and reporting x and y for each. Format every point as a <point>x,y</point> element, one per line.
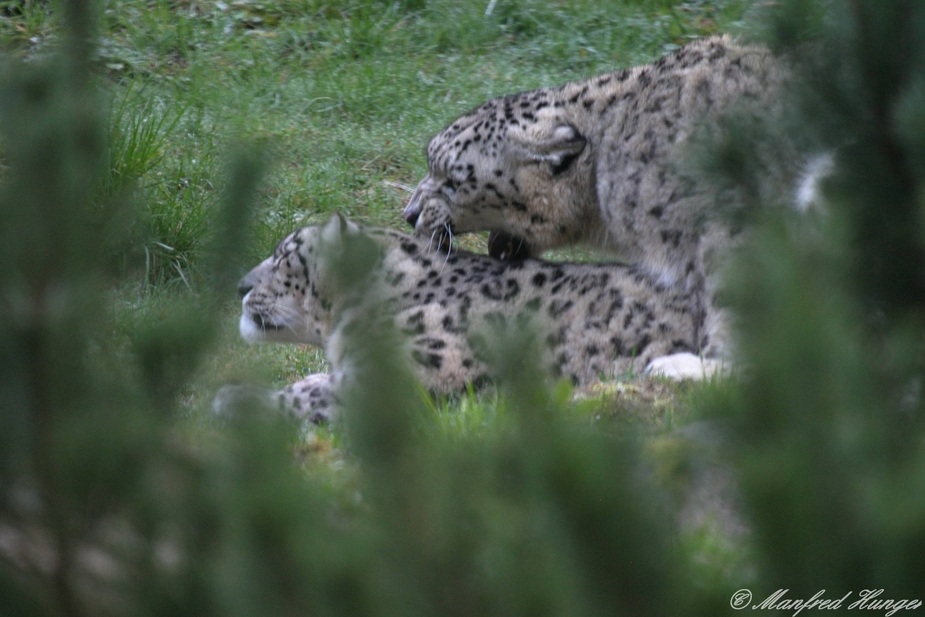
<point>831,446</point>
<point>109,505</point>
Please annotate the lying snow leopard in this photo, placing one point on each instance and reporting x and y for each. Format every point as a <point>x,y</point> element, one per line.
<point>596,320</point>
<point>595,162</point>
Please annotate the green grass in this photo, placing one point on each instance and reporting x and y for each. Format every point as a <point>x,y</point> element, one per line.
<point>340,97</point>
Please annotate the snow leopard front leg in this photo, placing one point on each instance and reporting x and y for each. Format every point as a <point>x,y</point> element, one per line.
<point>313,399</point>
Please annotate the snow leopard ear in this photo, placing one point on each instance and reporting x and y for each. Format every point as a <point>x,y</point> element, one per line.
<point>558,147</point>
<point>337,228</point>
<point>347,254</point>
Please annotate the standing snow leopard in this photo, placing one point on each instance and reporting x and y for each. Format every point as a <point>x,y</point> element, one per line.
<point>595,162</point>
<point>595,320</point>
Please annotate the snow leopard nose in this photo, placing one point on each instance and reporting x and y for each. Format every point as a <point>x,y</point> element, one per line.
<point>416,204</point>
<point>413,210</point>
<point>246,284</point>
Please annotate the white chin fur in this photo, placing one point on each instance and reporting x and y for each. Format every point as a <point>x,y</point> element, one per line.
<point>246,326</point>
<point>253,333</point>
<point>249,330</point>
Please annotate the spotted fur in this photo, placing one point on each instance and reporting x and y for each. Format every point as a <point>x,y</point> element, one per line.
<point>595,320</point>
<point>595,162</point>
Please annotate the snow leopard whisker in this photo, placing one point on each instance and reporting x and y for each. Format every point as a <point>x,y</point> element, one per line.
<point>284,318</point>
<point>430,243</point>
<point>448,245</point>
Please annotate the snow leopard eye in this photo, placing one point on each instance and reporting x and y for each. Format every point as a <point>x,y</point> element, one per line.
<point>449,188</point>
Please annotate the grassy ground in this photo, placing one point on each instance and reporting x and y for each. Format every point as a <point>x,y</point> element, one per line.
<point>340,97</point>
